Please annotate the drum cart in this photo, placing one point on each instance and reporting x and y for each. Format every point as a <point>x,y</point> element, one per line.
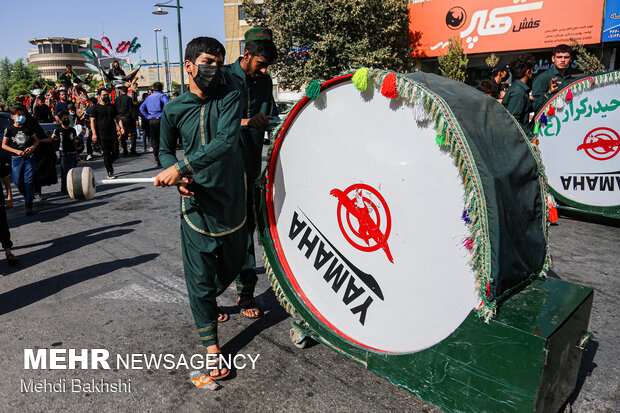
<point>524,359</point>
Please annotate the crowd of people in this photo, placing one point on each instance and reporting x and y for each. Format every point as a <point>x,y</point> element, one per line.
<point>97,124</point>
<point>525,96</point>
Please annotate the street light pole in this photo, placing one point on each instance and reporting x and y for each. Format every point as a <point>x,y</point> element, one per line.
<point>161,12</point>
<point>180,45</point>
<point>157,51</point>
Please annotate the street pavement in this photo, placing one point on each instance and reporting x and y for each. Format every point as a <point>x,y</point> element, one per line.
<point>107,274</point>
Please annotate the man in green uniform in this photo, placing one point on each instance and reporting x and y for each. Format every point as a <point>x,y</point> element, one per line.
<point>249,75</point>
<point>555,78</point>
<point>211,181</point>
<point>517,99</point>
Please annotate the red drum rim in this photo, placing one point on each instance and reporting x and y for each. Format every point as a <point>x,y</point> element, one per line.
<point>271,213</point>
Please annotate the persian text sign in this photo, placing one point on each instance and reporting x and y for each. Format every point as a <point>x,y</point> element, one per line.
<point>503,25</point>
<point>580,147</point>
<point>611,25</point>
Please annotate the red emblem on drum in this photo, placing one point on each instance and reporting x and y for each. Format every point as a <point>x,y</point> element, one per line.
<point>367,217</point>
<point>601,144</point>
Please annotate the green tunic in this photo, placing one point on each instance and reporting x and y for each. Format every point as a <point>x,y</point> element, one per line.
<point>540,87</point>
<point>213,231</point>
<point>256,96</point>
<point>212,158</point>
<point>518,103</point>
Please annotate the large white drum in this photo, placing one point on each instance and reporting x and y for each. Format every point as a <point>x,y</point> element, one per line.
<point>366,216</point>
<point>580,142</point>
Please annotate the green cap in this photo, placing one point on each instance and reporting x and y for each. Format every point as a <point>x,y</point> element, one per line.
<point>258,33</point>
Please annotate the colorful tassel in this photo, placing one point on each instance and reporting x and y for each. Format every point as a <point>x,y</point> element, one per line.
<point>313,90</point>
<point>543,119</point>
<point>465,217</point>
<point>569,95</point>
<point>468,243</point>
<point>551,111</point>
<point>388,88</point>
<point>360,79</point>
<point>536,128</point>
<point>440,139</point>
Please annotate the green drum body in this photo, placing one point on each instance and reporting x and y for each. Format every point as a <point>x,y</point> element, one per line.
<point>404,225</point>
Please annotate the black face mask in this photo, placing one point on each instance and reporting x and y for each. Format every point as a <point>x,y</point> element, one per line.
<point>105,99</point>
<point>66,122</point>
<point>208,78</point>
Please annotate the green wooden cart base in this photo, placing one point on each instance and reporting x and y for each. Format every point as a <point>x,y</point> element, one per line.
<point>525,360</point>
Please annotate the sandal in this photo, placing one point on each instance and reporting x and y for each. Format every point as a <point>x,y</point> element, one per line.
<point>248,303</point>
<point>222,317</point>
<point>11,258</point>
<point>210,370</point>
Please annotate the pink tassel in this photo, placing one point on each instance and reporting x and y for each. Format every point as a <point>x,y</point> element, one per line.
<point>569,95</point>
<point>468,243</point>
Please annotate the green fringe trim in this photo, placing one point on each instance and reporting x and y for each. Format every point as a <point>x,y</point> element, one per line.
<point>277,289</point>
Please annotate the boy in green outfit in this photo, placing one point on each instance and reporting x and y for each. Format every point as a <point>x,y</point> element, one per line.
<point>249,75</point>
<point>211,181</point>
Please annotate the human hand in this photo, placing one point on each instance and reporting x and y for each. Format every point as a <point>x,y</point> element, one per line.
<point>182,187</point>
<point>553,87</point>
<point>21,153</point>
<point>167,177</point>
<point>9,203</point>
<point>94,137</point>
<point>259,121</point>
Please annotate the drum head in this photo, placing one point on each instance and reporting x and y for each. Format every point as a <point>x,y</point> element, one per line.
<point>580,144</point>
<point>365,213</point>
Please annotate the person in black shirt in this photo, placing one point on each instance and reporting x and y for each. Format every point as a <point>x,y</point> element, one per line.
<point>20,140</point>
<point>116,74</point>
<point>5,235</point>
<point>104,121</point>
<point>62,105</point>
<point>69,78</point>
<point>66,136</point>
<point>127,111</point>
<point>92,101</point>
<point>41,112</point>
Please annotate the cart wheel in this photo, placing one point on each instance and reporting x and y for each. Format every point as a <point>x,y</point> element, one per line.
<point>298,338</point>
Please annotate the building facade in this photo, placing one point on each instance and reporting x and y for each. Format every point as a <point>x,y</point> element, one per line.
<point>148,74</point>
<point>52,54</point>
<point>508,28</point>
<point>235,27</point>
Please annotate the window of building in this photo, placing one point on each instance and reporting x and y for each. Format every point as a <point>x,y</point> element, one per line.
<point>241,47</point>
<point>47,48</point>
<point>241,13</point>
<point>56,48</point>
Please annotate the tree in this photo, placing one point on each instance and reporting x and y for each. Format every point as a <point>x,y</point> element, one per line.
<point>318,39</point>
<point>492,60</point>
<point>587,62</point>
<point>16,79</point>
<point>453,64</point>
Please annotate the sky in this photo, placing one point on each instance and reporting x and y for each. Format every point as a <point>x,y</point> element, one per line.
<point>119,20</point>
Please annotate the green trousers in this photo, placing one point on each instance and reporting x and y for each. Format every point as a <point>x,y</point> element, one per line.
<point>252,146</point>
<point>210,265</point>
